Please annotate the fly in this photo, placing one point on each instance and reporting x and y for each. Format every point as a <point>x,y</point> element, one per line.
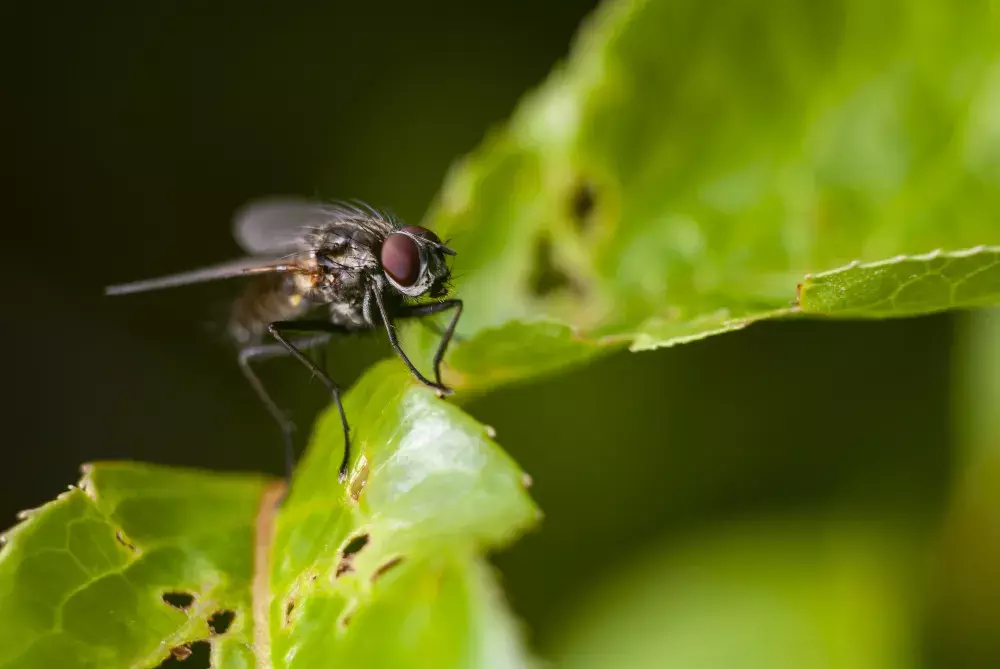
<point>365,268</point>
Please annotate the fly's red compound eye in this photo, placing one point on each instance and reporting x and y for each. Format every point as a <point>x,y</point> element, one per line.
<point>423,233</point>
<point>401,258</point>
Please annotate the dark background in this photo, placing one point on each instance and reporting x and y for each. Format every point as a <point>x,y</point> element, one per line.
<point>135,130</point>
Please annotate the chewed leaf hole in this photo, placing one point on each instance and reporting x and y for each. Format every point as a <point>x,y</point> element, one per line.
<point>220,621</point>
<point>380,572</point>
<point>352,548</point>
<point>547,277</point>
<point>356,544</point>
<point>582,204</point>
<point>178,600</point>
<point>195,655</point>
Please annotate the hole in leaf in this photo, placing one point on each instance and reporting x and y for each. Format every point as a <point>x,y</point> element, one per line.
<point>355,545</point>
<point>546,278</point>
<point>195,655</point>
<point>350,550</point>
<point>386,567</point>
<point>220,621</point>
<point>178,600</point>
<point>582,203</point>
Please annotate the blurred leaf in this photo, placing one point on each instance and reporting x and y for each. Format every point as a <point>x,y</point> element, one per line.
<point>690,165</point>
<point>768,595</point>
<point>83,578</point>
<point>966,608</point>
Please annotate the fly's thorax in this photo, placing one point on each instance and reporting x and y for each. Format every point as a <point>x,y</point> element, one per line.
<point>345,258</point>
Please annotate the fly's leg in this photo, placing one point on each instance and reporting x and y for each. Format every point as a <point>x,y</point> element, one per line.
<point>276,329</point>
<point>433,327</point>
<point>286,346</point>
<point>390,328</point>
<point>418,310</point>
<point>265,352</point>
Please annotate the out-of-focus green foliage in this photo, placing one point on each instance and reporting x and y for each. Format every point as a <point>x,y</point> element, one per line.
<point>690,165</point>
<point>770,596</point>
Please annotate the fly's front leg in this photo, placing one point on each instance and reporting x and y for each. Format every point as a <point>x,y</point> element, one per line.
<point>418,310</point>
<point>277,330</point>
<point>390,328</point>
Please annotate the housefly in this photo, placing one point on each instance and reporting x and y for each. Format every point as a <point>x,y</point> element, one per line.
<point>361,266</point>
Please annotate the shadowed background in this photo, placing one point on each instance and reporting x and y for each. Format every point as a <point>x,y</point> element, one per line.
<point>136,131</point>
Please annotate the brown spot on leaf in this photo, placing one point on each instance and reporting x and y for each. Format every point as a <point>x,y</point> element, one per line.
<point>380,572</point>
<point>181,652</point>
<point>194,655</point>
<point>178,600</point>
<point>358,481</point>
<point>120,536</point>
<point>289,607</point>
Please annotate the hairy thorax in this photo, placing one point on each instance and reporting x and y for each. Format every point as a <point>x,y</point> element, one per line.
<point>340,264</point>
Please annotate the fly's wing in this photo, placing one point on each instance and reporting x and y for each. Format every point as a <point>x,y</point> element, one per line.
<point>276,225</point>
<point>227,270</point>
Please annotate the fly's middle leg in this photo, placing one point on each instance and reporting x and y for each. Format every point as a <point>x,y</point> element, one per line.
<point>277,330</point>
<point>286,346</point>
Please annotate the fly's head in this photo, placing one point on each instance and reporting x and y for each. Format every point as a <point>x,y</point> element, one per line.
<point>414,262</point>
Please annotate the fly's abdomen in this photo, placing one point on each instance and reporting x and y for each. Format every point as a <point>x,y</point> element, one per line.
<point>270,298</point>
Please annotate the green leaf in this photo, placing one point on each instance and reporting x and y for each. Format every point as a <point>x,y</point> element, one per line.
<point>688,167</point>
<point>906,285</point>
<point>394,555</point>
<point>83,580</point>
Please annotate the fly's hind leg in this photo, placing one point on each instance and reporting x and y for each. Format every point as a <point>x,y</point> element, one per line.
<point>263,352</point>
<point>323,329</point>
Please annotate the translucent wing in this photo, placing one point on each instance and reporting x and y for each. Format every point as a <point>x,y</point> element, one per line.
<point>275,225</point>
<point>227,270</point>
